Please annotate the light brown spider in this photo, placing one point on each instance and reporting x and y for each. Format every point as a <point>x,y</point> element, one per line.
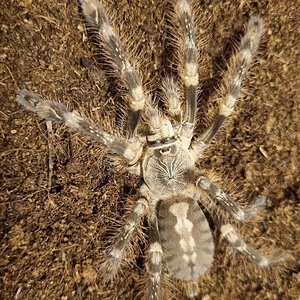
<point>163,150</point>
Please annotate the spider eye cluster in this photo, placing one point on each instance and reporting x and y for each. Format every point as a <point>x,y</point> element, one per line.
<point>165,150</point>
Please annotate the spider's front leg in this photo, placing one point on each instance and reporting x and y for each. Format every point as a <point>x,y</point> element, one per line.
<point>237,69</point>
<point>59,113</point>
<point>96,16</point>
<point>188,69</point>
<point>214,191</point>
<point>115,256</point>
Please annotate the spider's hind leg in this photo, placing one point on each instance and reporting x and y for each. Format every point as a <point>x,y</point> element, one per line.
<point>214,191</point>
<point>155,260</point>
<point>276,258</point>
<point>115,256</point>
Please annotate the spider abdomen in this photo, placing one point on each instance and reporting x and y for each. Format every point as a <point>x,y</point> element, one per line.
<point>185,237</point>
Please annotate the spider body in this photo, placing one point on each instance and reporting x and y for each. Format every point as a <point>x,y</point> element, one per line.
<point>164,151</point>
<point>184,234</point>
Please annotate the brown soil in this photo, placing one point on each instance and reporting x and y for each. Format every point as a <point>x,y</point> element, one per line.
<point>52,243</point>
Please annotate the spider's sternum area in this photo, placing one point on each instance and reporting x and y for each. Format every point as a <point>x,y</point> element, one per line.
<point>168,170</point>
<point>185,237</point>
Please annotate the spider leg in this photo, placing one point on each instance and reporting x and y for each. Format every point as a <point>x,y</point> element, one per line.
<point>155,256</point>
<point>59,113</point>
<point>230,234</point>
<point>237,69</point>
<point>226,202</point>
<point>114,259</point>
<point>171,95</point>
<point>96,16</point>
<point>189,67</point>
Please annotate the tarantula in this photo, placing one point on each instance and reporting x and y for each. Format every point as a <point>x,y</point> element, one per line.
<point>163,149</point>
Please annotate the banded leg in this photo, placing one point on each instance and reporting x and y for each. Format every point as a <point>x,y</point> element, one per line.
<point>155,263</point>
<point>237,69</point>
<point>114,259</point>
<point>97,18</point>
<point>227,203</point>
<point>189,72</point>
<point>59,113</point>
<point>278,257</point>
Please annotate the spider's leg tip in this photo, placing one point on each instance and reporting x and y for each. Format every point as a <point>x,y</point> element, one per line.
<point>280,257</point>
<point>28,99</point>
<point>260,201</point>
<point>256,24</point>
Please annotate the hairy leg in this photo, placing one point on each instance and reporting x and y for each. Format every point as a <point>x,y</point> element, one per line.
<point>237,69</point>
<point>278,257</point>
<point>115,256</point>
<point>188,69</point>
<point>59,113</point>
<point>96,16</point>
<point>214,191</point>
<point>155,260</point>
